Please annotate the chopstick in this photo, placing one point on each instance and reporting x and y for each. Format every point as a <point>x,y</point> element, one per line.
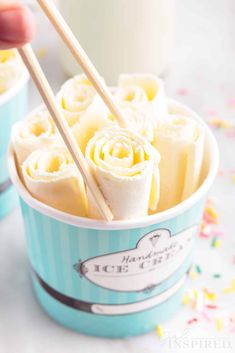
<point>49,99</point>
<point>83,60</point>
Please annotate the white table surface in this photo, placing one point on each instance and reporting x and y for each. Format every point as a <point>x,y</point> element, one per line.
<point>204,63</point>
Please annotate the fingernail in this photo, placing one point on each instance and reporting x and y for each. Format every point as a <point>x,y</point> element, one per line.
<point>9,26</point>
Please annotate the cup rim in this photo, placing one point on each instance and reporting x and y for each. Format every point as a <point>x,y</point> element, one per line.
<point>10,93</point>
<point>89,223</point>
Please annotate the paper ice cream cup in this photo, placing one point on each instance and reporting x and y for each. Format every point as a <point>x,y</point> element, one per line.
<point>114,279</point>
<point>13,104</point>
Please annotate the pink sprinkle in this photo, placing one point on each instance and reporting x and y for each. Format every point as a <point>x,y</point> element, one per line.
<point>217,233</point>
<point>206,316</point>
<point>211,200</point>
<point>209,306</point>
<point>203,235</point>
<point>220,172</point>
<point>231,103</point>
<point>207,218</point>
<point>232,330</point>
<point>182,92</point>
<point>194,319</point>
<point>211,112</point>
<point>234,259</point>
<point>230,133</point>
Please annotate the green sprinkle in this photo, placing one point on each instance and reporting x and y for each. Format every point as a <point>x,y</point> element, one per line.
<point>198,269</point>
<point>217,275</point>
<point>213,243</point>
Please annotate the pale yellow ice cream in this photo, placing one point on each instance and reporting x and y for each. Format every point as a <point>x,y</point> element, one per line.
<point>139,120</point>
<point>125,166</point>
<point>50,175</point>
<point>36,131</point>
<point>145,92</point>
<point>11,69</point>
<point>74,97</point>
<point>180,142</point>
<point>96,118</point>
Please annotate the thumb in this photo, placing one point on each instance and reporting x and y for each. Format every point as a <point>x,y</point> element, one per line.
<point>17,25</point>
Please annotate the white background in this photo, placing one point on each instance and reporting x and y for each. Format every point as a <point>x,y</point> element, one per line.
<point>204,63</point>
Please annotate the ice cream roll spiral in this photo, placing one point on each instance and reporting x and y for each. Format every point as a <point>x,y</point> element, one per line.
<point>51,176</point>
<point>139,120</point>
<point>74,97</point>
<point>180,142</point>
<point>11,69</point>
<point>125,166</point>
<point>36,131</point>
<point>96,118</point>
<point>144,91</point>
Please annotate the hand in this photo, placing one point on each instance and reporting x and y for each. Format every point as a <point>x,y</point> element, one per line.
<point>17,26</point>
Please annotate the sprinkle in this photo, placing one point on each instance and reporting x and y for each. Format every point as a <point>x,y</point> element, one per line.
<point>234,259</point>
<point>230,133</point>
<point>231,289</point>
<point>210,295</point>
<point>233,178</point>
<point>206,316</point>
<point>192,274</point>
<point>228,290</point>
<point>41,53</point>
<point>198,269</point>
<point>217,233</point>
<point>186,299</point>
<point>194,319</point>
<point>219,325</point>
<point>211,112</point>
<point>205,230</point>
<point>216,243</point>
<point>232,330</point>
<point>216,275</point>
<point>182,92</point>
<point>209,306</point>
<point>211,212</point>
<point>231,319</point>
<point>219,123</point>
<point>203,235</point>
<point>220,172</point>
<point>231,103</point>
<point>159,331</point>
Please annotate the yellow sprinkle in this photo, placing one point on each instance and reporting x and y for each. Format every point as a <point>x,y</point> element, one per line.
<point>159,331</point>
<point>219,325</point>
<point>217,243</point>
<point>41,53</point>
<point>192,274</point>
<point>220,123</point>
<point>212,212</point>
<point>186,299</point>
<point>233,177</point>
<point>211,296</point>
<point>228,290</point>
<point>194,300</point>
<point>231,289</point>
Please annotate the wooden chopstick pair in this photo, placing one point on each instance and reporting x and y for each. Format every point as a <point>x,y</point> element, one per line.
<point>50,101</point>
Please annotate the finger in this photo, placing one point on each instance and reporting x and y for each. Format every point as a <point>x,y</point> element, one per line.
<point>17,25</point>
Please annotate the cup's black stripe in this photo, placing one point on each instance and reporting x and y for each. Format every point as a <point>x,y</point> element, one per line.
<point>5,185</point>
<point>64,299</point>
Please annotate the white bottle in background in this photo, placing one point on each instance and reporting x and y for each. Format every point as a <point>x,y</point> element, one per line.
<point>121,35</point>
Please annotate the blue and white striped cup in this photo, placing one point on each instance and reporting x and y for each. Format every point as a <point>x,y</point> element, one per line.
<point>13,105</point>
<point>113,279</point>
